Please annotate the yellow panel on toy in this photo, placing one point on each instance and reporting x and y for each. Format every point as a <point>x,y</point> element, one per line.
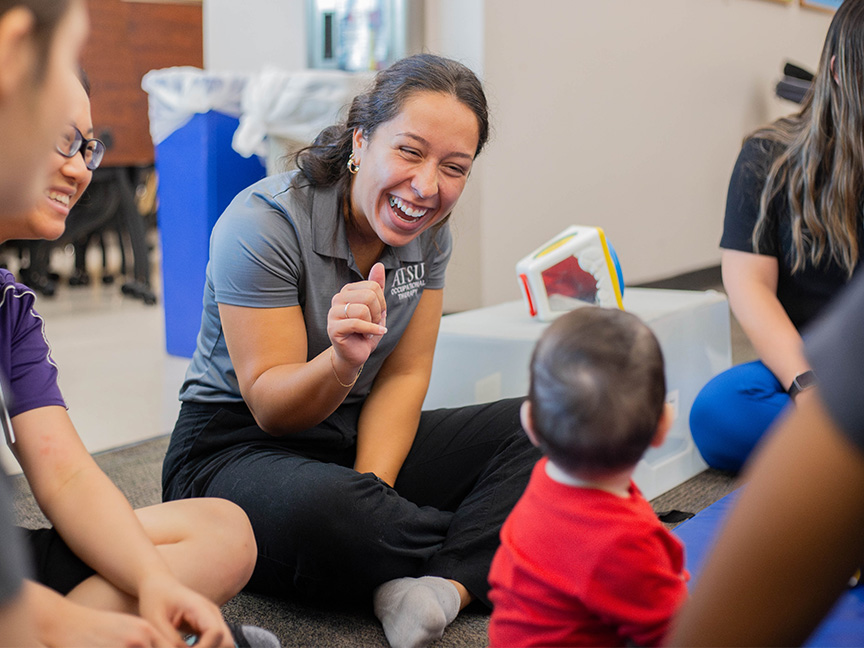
<point>577,268</point>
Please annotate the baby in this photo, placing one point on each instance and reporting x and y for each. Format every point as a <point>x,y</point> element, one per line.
<point>583,558</point>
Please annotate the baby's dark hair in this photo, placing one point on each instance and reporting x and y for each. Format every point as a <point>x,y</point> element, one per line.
<point>597,390</point>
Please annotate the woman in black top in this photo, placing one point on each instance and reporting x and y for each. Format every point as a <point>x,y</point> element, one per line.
<point>792,238</point>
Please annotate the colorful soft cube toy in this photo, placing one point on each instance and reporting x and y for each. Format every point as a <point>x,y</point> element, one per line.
<point>576,268</point>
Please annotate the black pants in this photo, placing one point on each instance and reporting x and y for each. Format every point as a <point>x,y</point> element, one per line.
<point>54,563</point>
<point>325,531</point>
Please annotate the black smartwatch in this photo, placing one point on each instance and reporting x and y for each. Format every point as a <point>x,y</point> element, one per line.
<point>802,381</point>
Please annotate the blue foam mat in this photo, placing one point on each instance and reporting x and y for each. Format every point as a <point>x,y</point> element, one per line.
<point>844,626</point>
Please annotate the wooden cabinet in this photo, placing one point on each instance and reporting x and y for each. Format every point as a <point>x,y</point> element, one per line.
<point>127,40</point>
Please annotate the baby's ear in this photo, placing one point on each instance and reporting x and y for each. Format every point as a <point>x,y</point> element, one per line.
<point>528,421</point>
<point>667,418</point>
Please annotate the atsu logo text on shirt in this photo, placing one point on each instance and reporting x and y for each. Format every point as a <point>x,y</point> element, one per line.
<point>408,281</point>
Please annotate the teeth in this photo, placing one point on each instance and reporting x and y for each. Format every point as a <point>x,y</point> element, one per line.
<point>405,209</point>
<point>62,198</point>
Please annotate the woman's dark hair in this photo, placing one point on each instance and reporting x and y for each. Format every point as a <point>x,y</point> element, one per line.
<point>324,162</point>
<point>597,390</point>
<point>47,15</point>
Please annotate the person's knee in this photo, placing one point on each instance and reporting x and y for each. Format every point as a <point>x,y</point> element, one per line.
<point>732,412</point>
<point>711,434</point>
<point>704,415</point>
<point>361,516</point>
<point>324,510</point>
<point>208,542</point>
<point>227,530</point>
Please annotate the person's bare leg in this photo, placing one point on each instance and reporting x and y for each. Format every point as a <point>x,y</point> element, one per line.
<point>17,627</point>
<point>464,595</point>
<point>207,543</point>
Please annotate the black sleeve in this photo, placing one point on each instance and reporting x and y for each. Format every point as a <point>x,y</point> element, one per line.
<point>834,346</point>
<point>742,199</point>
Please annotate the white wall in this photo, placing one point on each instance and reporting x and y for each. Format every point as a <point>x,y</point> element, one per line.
<point>628,115</point>
<point>625,114</point>
<point>244,36</point>
<point>455,28</point>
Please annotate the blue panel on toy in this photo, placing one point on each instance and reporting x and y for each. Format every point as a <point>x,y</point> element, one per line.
<point>617,264</point>
<point>576,268</point>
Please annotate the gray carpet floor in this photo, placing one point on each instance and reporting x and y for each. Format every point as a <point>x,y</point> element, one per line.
<point>137,472</point>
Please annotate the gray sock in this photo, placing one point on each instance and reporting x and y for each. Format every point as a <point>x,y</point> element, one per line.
<point>253,637</point>
<point>416,611</point>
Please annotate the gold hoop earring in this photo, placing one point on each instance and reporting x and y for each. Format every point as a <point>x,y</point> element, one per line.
<point>353,167</point>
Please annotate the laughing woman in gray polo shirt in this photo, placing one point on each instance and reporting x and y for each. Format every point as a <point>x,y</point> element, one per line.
<point>303,401</point>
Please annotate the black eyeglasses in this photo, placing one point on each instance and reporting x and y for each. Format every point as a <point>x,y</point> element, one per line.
<point>72,142</point>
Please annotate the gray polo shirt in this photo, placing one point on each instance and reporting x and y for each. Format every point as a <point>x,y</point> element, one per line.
<point>277,246</point>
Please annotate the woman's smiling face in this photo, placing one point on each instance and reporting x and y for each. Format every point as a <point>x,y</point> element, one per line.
<point>69,179</point>
<point>413,168</point>
<point>36,109</point>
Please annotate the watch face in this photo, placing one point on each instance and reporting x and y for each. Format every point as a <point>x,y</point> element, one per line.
<point>805,380</point>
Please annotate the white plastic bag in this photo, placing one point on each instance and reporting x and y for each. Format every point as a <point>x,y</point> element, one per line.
<point>177,94</point>
<point>293,106</point>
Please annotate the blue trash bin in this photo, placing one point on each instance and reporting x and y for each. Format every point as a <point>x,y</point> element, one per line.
<point>199,174</point>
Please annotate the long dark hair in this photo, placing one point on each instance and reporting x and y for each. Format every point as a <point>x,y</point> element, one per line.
<point>821,167</point>
<point>323,163</point>
<point>47,15</point>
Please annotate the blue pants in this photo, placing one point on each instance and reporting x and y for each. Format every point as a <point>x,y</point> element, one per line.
<point>732,413</point>
<point>325,531</point>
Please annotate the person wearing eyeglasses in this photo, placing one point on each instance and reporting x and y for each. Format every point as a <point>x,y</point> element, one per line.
<point>73,142</point>
<point>80,155</point>
<point>105,574</point>
<point>40,44</point>
<point>49,222</point>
